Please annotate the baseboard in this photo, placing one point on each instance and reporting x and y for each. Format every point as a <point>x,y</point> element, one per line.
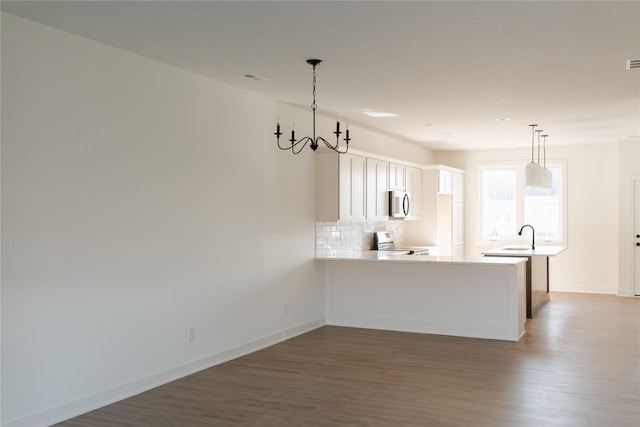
<point>421,326</point>
<point>106,397</point>
<point>585,290</point>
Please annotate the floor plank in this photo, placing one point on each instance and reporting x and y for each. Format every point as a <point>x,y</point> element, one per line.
<point>578,365</point>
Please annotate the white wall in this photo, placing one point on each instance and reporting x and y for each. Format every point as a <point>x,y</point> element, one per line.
<point>590,264</point>
<point>139,200</point>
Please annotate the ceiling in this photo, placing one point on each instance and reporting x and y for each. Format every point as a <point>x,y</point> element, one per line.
<point>458,75</point>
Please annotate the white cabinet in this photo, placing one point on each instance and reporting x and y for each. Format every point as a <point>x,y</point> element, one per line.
<point>458,224</point>
<point>377,185</point>
<point>442,220</point>
<point>396,176</point>
<point>413,186</point>
<point>445,184</point>
<point>340,187</point>
<point>458,251</point>
<point>457,186</point>
<point>458,212</point>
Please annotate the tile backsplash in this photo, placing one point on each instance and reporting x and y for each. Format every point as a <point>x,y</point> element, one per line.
<point>339,237</point>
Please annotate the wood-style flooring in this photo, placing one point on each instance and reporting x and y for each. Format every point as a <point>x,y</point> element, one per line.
<point>578,365</point>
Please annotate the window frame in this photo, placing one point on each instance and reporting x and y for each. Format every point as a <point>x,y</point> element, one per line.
<point>519,167</point>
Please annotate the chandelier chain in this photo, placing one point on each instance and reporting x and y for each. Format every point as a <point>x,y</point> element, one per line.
<point>313,105</point>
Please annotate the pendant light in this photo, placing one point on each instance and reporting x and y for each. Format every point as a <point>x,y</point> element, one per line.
<point>548,180</point>
<point>533,172</point>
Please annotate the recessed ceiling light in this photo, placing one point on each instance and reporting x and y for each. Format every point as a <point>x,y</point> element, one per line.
<point>502,119</point>
<point>378,114</point>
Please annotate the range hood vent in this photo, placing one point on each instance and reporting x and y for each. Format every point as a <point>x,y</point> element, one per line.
<point>633,63</point>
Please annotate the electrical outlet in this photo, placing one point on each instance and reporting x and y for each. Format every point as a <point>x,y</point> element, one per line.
<point>191,334</point>
<point>285,309</point>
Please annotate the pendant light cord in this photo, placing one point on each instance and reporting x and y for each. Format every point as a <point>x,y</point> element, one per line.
<point>539,131</point>
<point>532,140</point>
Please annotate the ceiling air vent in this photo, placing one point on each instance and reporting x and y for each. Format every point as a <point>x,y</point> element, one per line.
<point>252,77</point>
<point>633,63</point>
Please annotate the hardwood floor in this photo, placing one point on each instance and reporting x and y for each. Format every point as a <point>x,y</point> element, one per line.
<point>578,365</point>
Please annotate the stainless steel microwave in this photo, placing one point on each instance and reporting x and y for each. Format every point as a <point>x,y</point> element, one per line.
<point>399,203</point>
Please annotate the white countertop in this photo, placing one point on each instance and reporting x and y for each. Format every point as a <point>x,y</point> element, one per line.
<point>375,256</point>
<point>517,250</point>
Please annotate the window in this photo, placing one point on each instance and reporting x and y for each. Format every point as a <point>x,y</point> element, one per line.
<point>507,204</point>
<point>499,203</point>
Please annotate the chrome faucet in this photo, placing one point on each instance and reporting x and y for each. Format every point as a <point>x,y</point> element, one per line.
<point>533,235</point>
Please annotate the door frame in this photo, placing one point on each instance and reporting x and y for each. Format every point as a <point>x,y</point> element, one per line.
<point>626,241</point>
<point>635,228</point>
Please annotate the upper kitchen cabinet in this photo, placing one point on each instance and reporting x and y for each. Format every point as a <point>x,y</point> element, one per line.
<point>396,176</point>
<point>413,185</point>
<point>457,186</point>
<point>340,187</point>
<point>377,185</point>
<point>445,184</point>
<point>451,181</point>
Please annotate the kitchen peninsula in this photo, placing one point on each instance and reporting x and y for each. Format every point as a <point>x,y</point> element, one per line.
<point>478,297</point>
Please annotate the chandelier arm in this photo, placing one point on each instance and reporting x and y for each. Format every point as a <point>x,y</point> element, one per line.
<point>335,147</point>
<point>293,146</point>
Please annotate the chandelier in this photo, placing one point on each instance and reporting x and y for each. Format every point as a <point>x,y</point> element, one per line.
<point>298,145</point>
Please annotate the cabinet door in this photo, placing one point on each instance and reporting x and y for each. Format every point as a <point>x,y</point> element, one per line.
<point>352,188</point>
<point>413,185</point>
<point>377,186</point>
<point>344,190</point>
<point>458,224</point>
<point>458,186</point>
<point>358,192</point>
<point>396,177</point>
<point>458,251</point>
<point>444,182</point>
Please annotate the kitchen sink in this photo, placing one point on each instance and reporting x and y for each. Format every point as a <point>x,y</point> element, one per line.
<point>403,252</point>
<point>516,248</point>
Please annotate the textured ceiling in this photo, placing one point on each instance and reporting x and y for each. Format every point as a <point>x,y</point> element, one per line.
<point>448,69</point>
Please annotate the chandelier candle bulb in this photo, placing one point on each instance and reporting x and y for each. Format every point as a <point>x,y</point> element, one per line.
<point>277,132</point>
